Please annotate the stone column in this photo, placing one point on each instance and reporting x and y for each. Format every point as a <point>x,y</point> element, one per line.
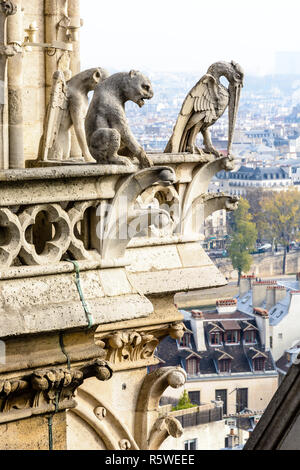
<point>74,15</point>
<point>15,36</point>
<point>55,11</point>
<point>3,94</point>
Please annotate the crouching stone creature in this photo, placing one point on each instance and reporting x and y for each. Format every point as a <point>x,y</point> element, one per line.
<point>108,134</point>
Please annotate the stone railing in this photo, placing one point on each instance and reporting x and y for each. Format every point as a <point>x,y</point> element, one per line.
<point>46,214</point>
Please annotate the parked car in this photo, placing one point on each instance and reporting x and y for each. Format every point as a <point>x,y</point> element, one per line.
<point>265,248</point>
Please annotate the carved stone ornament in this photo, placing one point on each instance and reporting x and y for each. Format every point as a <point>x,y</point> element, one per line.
<point>41,234</point>
<point>151,436</point>
<point>8,7</point>
<point>163,428</point>
<point>47,390</point>
<point>204,105</point>
<point>133,346</point>
<point>100,412</point>
<point>109,137</point>
<point>124,444</point>
<point>68,106</point>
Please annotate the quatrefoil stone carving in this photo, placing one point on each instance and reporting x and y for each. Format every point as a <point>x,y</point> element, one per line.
<point>54,248</point>
<point>10,237</point>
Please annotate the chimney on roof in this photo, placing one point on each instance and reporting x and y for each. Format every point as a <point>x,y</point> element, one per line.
<point>280,293</point>
<point>232,439</point>
<point>270,298</point>
<point>197,325</point>
<point>273,295</point>
<point>259,292</point>
<point>263,325</point>
<point>226,305</point>
<point>245,284</point>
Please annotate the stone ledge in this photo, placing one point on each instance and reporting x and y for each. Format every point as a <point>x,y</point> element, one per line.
<point>52,303</point>
<point>58,172</point>
<point>73,170</point>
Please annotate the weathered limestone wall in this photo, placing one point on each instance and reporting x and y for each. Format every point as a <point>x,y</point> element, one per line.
<point>33,433</point>
<point>118,397</point>
<point>81,435</point>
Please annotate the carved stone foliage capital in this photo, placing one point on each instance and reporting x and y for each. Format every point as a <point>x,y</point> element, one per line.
<point>46,390</point>
<point>129,346</point>
<point>43,391</point>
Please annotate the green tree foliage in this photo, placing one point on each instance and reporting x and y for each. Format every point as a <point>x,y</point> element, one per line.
<point>278,220</point>
<point>244,235</point>
<point>184,402</point>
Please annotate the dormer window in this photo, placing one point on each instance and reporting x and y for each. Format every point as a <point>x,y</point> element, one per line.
<point>193,366</point>
<point>215,334</point>
<point>185,341</point>
<point>232,337</point>
<point>224,361</point>
<point>259,364</point>
<point>225,365</point>
<point>250,336</point>
<point>259,359</point>
<point>215,338</point>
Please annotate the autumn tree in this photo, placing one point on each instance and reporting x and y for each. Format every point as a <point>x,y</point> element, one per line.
<point>244,235</point>
<point>254,199</point>
<point>279,218</point>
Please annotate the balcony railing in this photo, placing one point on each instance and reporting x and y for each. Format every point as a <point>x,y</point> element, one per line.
<point>202,414</point>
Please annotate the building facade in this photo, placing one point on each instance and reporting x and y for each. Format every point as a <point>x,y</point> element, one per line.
<point>279,303</point>
<point>246,179</point>
<point>226,357</point>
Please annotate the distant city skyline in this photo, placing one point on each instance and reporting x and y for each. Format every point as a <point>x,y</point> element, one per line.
<point>171,35</point>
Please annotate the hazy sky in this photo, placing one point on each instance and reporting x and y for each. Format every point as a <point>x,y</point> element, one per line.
<point>187,35</point>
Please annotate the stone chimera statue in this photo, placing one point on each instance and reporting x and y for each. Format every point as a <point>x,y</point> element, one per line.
<point>204,105</point>
<point>68,106</point>
<point>108,134</point>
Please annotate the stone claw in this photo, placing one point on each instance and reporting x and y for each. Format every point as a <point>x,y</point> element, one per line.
<point>145,161</point>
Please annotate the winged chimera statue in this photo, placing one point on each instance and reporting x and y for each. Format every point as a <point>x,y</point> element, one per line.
<point>204,105</point>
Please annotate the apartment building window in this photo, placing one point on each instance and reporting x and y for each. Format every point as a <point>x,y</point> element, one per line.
<point>271,342</point>
<point>241,399</point>
<point>250,337</point>
<point>225,365</point>
<point>195,397</point>
<point>222,395</point>
<point>232,336</point>
<point>190,445</point>
<point>216,339</point>
<point>185,341</point>
<point>259,364</point>
<point>193,366</point>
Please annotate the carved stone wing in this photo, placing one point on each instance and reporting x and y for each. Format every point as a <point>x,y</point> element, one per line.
<point>203,99</point>
<point>57,105</point>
